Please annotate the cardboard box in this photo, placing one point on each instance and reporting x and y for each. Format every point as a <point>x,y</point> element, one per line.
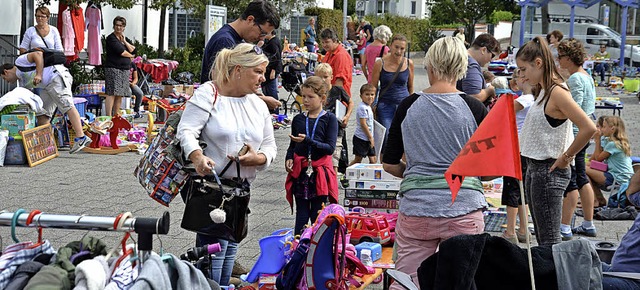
<point>363,171</point>
<point>371,203</point>
<point>374,194</point>
<point>267,281</point>
<point>375,184</point>
<point>188,89</point>
<point>16,123</point>
<point>168,89</point>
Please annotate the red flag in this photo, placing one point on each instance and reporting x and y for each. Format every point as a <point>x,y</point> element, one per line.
<point>493,150</point>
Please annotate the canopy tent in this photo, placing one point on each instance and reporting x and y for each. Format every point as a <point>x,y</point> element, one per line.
<point>526,4</point>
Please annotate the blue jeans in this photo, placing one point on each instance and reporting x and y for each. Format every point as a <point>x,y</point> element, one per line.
<point>384,115</point>
<point>543,192</point>
<point>312,63</point>
<point>270,88</point>
<point>307,208</point>
<point>136,91</point>
<point>617,283</point>
<point>222,263</point>
<point>601,68</point>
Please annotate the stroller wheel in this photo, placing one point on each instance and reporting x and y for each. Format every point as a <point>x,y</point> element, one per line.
<point>282,110</point>
<point>295,108</point>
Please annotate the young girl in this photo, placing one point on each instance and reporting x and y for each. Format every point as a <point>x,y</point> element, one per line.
<point>616,153</point>
<point>547,139</point>
<point>311,179</point>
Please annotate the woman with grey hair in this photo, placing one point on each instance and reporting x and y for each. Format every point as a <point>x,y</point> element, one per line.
<point>377,49</point>
<point>447,118</point>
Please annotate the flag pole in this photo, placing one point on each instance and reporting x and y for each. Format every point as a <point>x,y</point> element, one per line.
<point>526,225</point>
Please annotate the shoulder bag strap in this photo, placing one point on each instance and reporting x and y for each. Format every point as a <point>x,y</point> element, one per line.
<point>395,76</point>
<point>382,51</point>
<point>41,37</point>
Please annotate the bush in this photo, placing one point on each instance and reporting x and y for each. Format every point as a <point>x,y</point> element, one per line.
<point>419,32</point>
<point>327,18</point>
<point>497,16</point>
<point>189,56</point>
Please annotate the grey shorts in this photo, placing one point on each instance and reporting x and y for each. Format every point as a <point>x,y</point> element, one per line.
<point>57,94</point>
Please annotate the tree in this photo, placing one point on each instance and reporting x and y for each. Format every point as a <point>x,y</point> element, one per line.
<point>467,12</point>
<point>351,6</point>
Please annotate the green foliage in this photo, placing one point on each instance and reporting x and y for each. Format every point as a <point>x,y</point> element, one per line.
<point>142,49</point>
<point>351,6</point>
<point>467,12</point>
<point>80,75</point>
<point>419,32</point>
<point>497,16</point>
<point>327,18</point>
<point>190,56</point>
<point>449,26</point>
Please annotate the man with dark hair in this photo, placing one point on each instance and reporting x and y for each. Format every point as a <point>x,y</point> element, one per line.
<point>258,19</point>
<point>483,49</point>
<point>339,60</point>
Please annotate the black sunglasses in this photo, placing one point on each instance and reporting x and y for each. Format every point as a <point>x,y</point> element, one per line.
<point>262,32</point>
<point>493,55</point>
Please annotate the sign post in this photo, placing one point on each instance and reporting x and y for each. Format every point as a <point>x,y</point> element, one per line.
<point>216,17</point>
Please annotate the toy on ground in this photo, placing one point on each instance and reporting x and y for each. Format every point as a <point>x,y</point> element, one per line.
<point>273,254</point>
<point>112,127</point>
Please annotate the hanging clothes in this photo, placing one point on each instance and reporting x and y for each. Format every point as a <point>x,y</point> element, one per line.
<point>68,36</point>
<point>94,45</point>
<point>77,17</point>
<point>19,254</point>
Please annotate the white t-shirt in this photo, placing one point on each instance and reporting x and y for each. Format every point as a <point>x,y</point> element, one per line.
<point>32,39</point>
<point>225,127</point>
<point>26,78</point>
<point>364,112</point>
<point>526,100</point>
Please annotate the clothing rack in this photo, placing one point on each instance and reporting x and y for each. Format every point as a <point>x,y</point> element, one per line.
<point>144,227</point>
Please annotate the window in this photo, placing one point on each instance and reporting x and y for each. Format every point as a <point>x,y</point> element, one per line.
<point>413,7</point>
<point>593,36</point>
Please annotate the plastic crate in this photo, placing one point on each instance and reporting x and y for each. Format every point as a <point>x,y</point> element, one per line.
<point>92,99</point>
<point>81,105</point>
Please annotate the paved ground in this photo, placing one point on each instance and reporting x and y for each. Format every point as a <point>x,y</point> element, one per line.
<point>104,185</point>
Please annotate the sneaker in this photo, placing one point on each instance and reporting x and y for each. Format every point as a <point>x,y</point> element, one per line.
<point>522,238</point>
<point>79,143</point>
<point>566,236</point>
<point>581,230</point>
<point>137,115</point>
<point>513,239</point>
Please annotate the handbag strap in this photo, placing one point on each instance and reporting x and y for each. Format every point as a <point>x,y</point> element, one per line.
<point>395,76</point>
<point>44,41</point>
<point>382,51</point>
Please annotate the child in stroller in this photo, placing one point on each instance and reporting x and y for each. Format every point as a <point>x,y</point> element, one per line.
<point>293,76</point>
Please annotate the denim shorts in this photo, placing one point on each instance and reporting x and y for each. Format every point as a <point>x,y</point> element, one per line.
<point>608,182</point>
<point>578,172</point>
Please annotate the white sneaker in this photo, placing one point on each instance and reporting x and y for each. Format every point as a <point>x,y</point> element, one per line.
<point>80,143</point>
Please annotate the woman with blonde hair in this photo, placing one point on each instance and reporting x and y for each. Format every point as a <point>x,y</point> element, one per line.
<point>447,118</point>
<point>227,115</point>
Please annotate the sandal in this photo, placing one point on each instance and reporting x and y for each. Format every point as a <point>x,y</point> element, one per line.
<point>513,239</point>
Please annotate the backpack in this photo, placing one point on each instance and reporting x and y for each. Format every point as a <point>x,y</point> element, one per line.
<point>323,259</point>
<point>50,57</point>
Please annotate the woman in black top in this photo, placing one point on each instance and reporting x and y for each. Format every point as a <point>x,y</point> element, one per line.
<point>117,64</point>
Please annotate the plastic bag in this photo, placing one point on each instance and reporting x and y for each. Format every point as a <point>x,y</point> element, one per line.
<point>4,139</point>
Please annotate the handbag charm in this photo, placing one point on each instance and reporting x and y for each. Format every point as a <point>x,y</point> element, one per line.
<point>313,133</point>
<point>218,215</point>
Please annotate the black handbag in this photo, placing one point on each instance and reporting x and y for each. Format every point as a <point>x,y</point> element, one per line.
<point>202,195</point>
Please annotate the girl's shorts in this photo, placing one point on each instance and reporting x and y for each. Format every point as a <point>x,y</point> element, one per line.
<point>361,52</point>
<point>608,182</point>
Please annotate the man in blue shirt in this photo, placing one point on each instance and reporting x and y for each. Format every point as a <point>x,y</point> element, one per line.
<point>258,19</point>
<point>626,258</point>
<point>483,49</point>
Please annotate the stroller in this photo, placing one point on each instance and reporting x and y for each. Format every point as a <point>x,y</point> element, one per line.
<point>293,75</point>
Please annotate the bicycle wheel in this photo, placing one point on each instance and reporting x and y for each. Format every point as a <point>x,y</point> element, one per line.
<point>282,110</point>
<point>296,108</point>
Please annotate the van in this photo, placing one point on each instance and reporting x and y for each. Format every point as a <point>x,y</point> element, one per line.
<point>591,35</point>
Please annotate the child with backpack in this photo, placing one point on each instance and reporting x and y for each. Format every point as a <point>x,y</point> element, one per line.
<point>363,143</point>
<point>312,179</point>
<point>615,153</point>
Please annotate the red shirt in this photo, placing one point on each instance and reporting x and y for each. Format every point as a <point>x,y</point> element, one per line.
<point>342,65</point>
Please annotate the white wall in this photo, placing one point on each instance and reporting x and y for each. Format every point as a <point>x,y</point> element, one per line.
<point>10,12</point>
<point>134,22</point>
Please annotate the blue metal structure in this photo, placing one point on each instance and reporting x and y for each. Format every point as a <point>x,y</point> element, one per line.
<point>525,4</point>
